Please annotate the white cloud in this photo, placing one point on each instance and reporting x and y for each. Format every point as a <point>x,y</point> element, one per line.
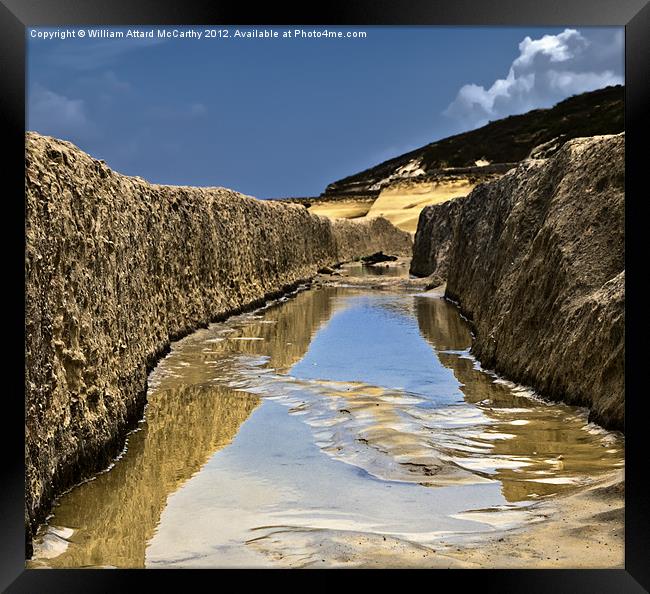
<point>57,115</point>
<point>546,71</point>
<point>558,48</point>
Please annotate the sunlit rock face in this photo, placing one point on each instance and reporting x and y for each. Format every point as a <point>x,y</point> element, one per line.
<point>536,261</point>
<point>116,268</point>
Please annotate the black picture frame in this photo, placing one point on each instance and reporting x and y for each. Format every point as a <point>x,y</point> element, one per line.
<point>17,15</point>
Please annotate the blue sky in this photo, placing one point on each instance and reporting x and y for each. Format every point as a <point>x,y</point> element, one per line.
<point>285,117</point>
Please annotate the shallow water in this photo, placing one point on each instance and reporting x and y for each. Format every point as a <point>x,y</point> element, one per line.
<point>338,413</point>
<point>382,269</point>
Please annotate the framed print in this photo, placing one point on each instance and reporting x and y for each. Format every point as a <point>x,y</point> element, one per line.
<point>344,291</point>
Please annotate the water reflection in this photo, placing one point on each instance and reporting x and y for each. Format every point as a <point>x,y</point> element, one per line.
<point>109,520</point>
<point>553,443</point>
<point>194,409</point>
<point>382,269</point>
<point>276,336</point>
<point>376,396</point>
<point>380,381</point>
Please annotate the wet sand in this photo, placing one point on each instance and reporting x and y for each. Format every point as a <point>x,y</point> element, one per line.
<point>345,428</point>
<point>579,531</point>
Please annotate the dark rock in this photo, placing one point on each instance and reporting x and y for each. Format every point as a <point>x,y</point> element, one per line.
<point>433,238</point>
<point>376,258</point>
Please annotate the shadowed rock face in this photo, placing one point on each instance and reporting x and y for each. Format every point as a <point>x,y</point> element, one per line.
<point>433,238</point>
<point>536,260</point>
<point>116,268</point>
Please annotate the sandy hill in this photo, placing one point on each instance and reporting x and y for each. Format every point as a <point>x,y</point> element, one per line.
<point>399,188</point>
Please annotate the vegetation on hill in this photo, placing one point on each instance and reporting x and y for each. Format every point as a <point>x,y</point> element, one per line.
<point>505,141</point>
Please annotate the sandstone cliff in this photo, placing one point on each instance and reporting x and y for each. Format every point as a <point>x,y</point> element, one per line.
<point>536,261</point>
<point>116,268</point>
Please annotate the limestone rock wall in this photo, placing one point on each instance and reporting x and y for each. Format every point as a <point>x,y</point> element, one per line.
<point>116,268</point>
<point>536,261</point>
<point>433,238</point>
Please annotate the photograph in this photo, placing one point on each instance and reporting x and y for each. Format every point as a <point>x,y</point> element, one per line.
<point>335,296</point>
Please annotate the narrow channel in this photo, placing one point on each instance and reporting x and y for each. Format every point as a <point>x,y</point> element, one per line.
<point>338,424</point>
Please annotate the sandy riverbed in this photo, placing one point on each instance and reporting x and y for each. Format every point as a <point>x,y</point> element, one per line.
<point>578,531</point>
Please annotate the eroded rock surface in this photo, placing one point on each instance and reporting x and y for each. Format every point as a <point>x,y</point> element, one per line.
<point>116,268</point>
<point>536,261</point>
<point>433,238</point>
